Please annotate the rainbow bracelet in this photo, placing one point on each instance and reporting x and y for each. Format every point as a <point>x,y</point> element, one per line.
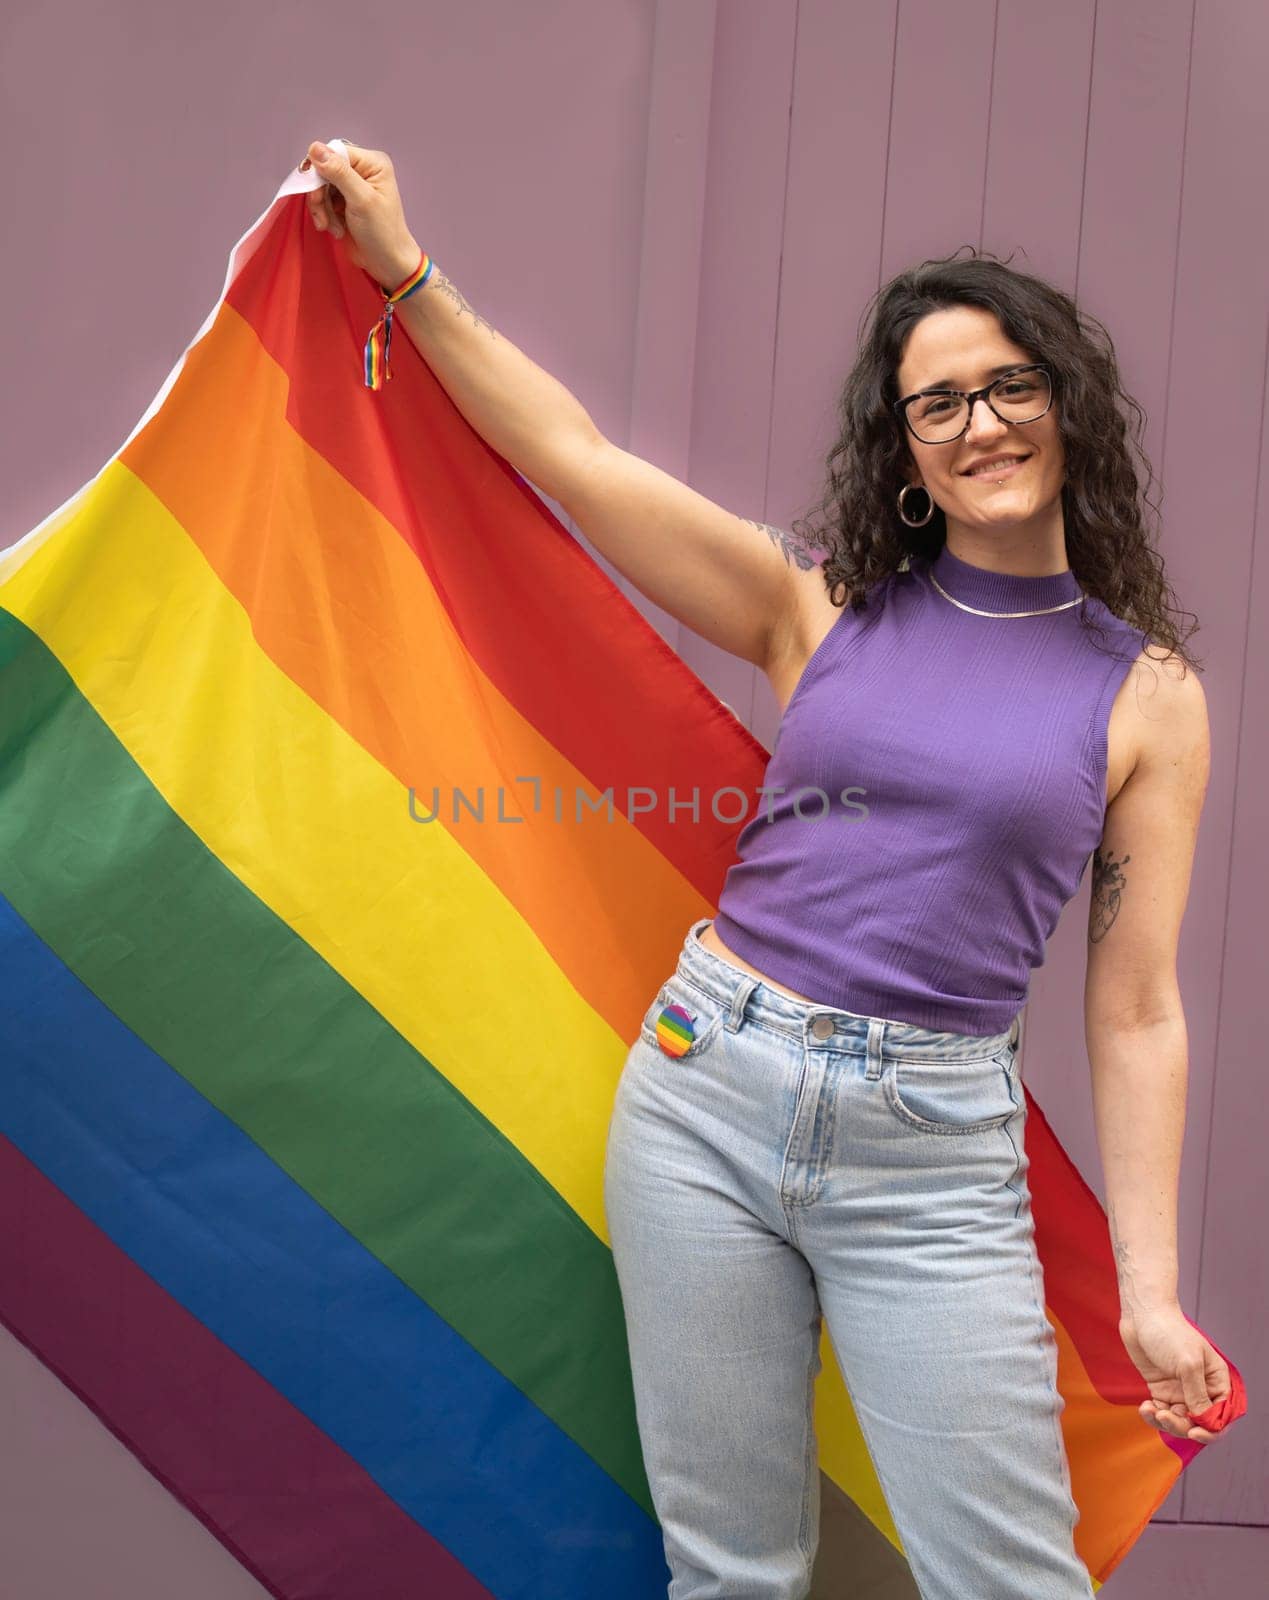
<point>379,343</point>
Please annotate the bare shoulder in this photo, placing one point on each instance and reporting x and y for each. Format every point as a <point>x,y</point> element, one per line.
<point>1168,703</point>
<point>1159,717</point>
<point>1143,864</point>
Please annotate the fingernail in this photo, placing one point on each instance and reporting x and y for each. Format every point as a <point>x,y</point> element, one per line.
<point>321,153</point>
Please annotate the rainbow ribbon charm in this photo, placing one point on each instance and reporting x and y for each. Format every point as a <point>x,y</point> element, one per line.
<point>379,342</point>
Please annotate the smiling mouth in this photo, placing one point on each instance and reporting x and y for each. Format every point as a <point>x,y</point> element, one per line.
<point>1000,470</point>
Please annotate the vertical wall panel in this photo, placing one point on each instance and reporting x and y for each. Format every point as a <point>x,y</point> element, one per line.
<point>829,251</point>
<point>1040,88</point>
<point>740,279</point>
<point>940,114</point>
<point>669,221</point>
<point>1233,1291</point>
<point>1215,441</point>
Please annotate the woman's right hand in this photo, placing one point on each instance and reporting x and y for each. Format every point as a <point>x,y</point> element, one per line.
<point>361,205</point>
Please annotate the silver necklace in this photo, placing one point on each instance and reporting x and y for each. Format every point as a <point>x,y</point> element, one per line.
<point>1043,612</point>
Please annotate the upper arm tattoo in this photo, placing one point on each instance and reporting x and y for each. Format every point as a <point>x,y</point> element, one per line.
<point>1109,884</point>
<point>787,543</point>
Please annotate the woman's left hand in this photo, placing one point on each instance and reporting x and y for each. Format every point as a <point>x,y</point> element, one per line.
<point>1183,1372</point>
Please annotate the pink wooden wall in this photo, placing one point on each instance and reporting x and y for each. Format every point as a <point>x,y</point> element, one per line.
<point>680,208</point>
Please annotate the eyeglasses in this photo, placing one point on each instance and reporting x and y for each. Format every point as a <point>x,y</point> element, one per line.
<point>940,416</point>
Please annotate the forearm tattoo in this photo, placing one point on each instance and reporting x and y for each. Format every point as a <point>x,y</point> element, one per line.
<point>1123,1265</point>
<point>1109,884</point>
<point>442,285</point>
<point>786,542</point>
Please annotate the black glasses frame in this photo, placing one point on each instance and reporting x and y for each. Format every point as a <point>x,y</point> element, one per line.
<point>973,396</point>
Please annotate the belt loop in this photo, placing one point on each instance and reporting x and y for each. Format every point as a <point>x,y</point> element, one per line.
<point>739,1000</point>
<point>1015,1031</point>
<point>876,1033</point>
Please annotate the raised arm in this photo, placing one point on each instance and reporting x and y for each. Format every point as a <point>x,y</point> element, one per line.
<point>736,582</point>
<point>731,580</point>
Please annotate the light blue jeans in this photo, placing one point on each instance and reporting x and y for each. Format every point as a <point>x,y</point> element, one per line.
<point>801,1162</point>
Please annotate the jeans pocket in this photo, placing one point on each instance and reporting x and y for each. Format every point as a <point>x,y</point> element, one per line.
<point>682,1021</point>
<point>952,1096</point>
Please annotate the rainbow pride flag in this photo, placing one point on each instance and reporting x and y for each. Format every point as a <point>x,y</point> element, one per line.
<point>304,1078</point>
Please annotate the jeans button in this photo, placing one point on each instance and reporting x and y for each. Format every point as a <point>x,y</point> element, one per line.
<point>822,1027</point>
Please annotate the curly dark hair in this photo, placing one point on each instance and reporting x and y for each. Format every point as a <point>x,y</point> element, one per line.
<point>1107,547</point>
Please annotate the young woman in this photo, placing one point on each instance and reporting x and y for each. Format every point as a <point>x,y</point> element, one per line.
<point>983,688</point>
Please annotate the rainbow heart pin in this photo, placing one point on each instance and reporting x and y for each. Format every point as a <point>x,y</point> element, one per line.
<point>676,1029</point>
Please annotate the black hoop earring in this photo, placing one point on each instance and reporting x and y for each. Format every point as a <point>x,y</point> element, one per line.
<point>903,516</point>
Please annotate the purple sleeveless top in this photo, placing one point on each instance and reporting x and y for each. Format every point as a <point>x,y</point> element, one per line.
<point>936,791</point>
